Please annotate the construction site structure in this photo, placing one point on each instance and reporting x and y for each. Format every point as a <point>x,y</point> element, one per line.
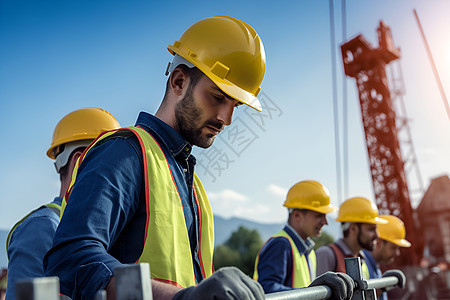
<point>427,263</point>
<point>434,216</point>
<point>368,66</point>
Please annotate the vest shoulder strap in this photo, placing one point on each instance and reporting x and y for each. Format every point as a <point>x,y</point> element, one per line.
<point>52,206</point>
<point>340,256</point>
<point>102,138</point>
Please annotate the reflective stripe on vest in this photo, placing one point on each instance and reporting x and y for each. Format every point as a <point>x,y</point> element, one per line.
<point>167,246</point>
<point>340,261</point>
<point>301,276</point>
<point>52,206</point>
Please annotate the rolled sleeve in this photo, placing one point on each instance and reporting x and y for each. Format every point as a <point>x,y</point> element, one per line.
<point>104,197</point>
<point>84,275</point>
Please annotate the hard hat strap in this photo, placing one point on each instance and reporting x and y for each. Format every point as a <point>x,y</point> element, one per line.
<point>63,157</point>
<point>177,60</point>
<point>345,225</point>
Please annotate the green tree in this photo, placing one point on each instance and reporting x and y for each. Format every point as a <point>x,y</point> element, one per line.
<point>323,240</point>
<point>239,250</point>
<point>225,256</point>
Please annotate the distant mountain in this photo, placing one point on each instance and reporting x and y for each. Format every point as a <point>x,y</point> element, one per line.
<point>225,227</point>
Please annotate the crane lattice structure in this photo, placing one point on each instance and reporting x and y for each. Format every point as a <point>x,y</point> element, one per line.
<point>368,66</point>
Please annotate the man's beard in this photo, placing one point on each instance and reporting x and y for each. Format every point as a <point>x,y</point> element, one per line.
<point>188,117</point>
<point>367,246</point>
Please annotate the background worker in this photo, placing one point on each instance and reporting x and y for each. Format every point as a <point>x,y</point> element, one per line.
<point>391,237</point>
<point>359,220</point>
<point>287,260</point>
<point>136,197</point>
<point>32,237</point>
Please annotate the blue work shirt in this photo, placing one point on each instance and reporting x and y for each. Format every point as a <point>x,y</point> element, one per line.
<point>104,222</point>
<point>275,261</point>
<point>374,270</point>
<point>29,242</point>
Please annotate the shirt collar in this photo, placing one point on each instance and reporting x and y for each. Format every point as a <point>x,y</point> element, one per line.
<point>367,255</point>
<point>303,246</point>
<point>176,143</point>
<point>58,200</point>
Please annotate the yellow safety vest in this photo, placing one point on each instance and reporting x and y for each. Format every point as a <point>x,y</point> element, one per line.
<point>167,248</point>
<point>301,276</point>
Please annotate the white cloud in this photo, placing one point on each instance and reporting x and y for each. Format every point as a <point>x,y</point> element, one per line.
<point>228,195</point>
<point>277,190</point>
<point>228,203</point>
<point>252,211</point>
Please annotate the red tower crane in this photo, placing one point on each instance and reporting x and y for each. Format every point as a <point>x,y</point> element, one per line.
<point>368,66</point>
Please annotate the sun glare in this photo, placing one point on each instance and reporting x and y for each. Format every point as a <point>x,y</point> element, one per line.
<point>446,68</point>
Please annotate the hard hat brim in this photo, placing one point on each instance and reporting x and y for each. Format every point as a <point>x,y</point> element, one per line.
<point>376,220</point>
<point>321,209</point>
<point>379,220</point>
<point>325,209</point>
<point>238,93</point>
<point>76,137</point>
<point>399,242</point>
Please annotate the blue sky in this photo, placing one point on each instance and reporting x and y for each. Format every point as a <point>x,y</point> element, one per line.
<point>58,56</point>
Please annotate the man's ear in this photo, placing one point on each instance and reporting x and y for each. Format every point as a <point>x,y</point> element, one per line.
<point>354,227</point>
<point>179,82</point>
<point>74,158</point>
<point>298,215</point>
<point>76,155</point>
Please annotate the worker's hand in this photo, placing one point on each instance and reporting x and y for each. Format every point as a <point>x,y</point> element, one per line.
<point>226,283</point>
<point>400,276</point>
<point>340,284</point>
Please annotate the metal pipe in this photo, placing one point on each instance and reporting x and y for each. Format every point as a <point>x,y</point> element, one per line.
<point>379,283</point>
<point>335,104</point>
<point>324,292</point>
<point>310,293</point>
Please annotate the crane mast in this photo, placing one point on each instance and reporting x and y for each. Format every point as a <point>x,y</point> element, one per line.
<point>368,66</point>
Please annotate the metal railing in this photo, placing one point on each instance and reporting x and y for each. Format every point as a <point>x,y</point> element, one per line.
<point>310,293</point>
<point>324,292</point>
<point>133,282</point>
<point>365,289</point>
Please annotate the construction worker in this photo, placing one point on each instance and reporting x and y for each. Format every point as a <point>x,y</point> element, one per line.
<point>136,198</point>
<point>32,237</point>
<point>287,260</point>
<point>359,219</point>
<point>391,237</point>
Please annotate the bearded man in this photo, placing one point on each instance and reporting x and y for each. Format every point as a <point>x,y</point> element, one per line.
<point>359,219</point>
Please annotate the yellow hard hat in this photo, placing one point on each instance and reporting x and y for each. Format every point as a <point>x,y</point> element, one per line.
<point>393,231</point>
<point>309,194</point>
<point>82,124</point>
<point>229,52</point>
<point>359,210</point>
